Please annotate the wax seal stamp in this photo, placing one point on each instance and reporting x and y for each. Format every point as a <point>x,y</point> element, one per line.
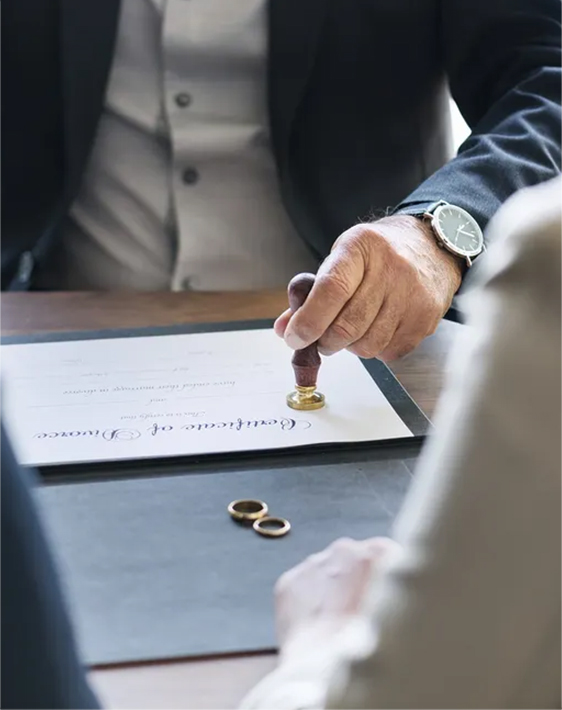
<point>306,362</point>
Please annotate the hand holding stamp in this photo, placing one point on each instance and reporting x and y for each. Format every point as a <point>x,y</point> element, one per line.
<point>306,362</point>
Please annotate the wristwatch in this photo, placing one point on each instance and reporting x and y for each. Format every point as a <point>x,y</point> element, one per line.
<point>455,230</point>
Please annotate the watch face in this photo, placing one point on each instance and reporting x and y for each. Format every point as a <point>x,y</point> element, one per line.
<point>459,230</point>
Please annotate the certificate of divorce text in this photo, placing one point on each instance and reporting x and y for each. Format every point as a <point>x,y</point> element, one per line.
<point>179,395</point>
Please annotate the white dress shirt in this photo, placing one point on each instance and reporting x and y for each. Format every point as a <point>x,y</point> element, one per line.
<point>181,188</point>
<point>467,615</point>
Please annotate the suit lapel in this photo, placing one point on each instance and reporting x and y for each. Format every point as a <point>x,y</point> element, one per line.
<point>294,29</point>
<point>87,38</point>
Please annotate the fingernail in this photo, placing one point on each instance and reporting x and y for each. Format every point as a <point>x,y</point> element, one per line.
<point>293,341</point>
<point>324,352</point>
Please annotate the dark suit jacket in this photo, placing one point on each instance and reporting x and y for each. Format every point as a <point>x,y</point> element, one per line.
<point>357,99</point>
<point>40,666</point>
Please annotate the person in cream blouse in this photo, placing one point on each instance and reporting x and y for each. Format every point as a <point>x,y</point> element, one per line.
<point>462,609</point>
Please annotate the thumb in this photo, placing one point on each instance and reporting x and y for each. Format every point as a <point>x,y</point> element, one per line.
<point>281,323</point>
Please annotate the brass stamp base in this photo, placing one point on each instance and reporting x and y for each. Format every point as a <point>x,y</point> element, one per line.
<point>305,399</point>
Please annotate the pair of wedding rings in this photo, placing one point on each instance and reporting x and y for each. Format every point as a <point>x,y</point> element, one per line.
<point>256,512</point>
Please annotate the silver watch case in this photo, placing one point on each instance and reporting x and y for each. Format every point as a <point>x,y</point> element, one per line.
<point>432,214</point>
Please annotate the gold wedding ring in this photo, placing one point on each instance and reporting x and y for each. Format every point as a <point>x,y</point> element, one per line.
<point>271,527</point>
<point>247,509</point>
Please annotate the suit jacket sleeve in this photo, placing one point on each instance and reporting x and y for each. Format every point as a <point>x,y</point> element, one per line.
<point>468,614</point>
<point>502,58</point>
<point>40,664</point>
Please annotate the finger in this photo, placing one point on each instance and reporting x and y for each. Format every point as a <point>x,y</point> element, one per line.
<point>401,344</point>
<point>281,323</point>
<point>319,558</point>
<point>381,331</point>
<point>338,278</point>
<point>342,543</point>
<point>348,551</point>
<point>378,547</point>
<point>414,327</point>
<point>287,579</point>
<point>355,318</point>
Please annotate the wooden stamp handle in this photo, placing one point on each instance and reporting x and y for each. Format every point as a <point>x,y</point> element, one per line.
<point>306,362</point>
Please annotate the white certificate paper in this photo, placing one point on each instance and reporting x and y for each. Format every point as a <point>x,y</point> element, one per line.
<point>178,395</point>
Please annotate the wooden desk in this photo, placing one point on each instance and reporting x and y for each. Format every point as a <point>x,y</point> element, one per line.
<point>216,682</point>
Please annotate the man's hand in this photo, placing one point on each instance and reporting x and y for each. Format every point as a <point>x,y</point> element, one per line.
<point>327,588</point>
<point>383,289</point>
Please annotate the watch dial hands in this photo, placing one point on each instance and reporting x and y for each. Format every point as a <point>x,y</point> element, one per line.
<point>473,239</point>
<point>460,230</point>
